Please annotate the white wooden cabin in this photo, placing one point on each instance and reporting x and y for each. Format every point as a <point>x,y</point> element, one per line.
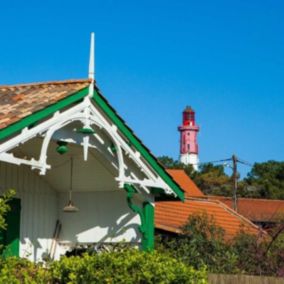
<point>63,138</point>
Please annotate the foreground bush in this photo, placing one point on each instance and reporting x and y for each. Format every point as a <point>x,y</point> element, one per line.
<point>127,266</point>
<point>16,270</point>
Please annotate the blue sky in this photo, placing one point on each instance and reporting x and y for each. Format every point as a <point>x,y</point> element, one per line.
<point>225,58</point>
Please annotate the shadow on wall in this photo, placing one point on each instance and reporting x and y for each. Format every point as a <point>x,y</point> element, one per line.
<point>102,217</point>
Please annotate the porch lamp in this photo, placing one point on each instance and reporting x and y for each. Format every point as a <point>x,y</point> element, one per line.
<point>70,207</point>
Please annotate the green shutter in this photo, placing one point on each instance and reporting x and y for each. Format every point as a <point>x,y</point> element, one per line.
<point>10,237</point>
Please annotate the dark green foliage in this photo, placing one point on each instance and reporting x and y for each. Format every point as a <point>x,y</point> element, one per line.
<point>210,179</point>
<point>15,270</point>
<point>123,266</point>
<point>213,180</point>
<point>4,207</point>
<point>262,256</point>
<point>265,180</point>
<point>203,243</point>
<point>170,163</point>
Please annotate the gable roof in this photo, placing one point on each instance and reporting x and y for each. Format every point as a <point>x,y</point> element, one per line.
<point>26,104</point>
<point>257,210</point>
<point>185,182</point>
<point>172,215</point>
<point>19,101</point>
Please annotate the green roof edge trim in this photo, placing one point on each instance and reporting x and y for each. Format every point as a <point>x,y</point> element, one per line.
<point>125,130</point>
<point>41,114</point>
<point>111,114</point>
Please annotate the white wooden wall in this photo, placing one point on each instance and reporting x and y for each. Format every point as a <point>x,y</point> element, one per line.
<point>39,208</point>
<point>104,216</point>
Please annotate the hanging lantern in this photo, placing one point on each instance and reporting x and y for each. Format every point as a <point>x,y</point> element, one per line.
<point>86,130</point>
<point>70,207</point>
<point>113,148</point>
<point>62,147</point>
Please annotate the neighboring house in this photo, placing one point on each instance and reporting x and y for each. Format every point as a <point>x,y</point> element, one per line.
<point>186,183</point>
<point>81,175</point>
<point>262,212</point>
<point>172,215</point>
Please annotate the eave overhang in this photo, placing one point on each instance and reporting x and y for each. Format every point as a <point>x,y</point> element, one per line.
<point>111,114</point>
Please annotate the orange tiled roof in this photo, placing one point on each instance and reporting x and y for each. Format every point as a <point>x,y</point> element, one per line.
<point>19,101</point>
<point>257,210</point>
<point>185,182</point>
<point>172,215</point>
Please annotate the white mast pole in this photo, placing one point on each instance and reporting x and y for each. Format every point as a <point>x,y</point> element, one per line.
<point>92,65</point>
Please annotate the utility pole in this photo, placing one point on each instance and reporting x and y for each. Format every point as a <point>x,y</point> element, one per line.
<point>235,180</point>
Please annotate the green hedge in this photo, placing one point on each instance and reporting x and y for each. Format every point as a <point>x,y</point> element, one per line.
<point>128,266</point>
<point>15,270</point>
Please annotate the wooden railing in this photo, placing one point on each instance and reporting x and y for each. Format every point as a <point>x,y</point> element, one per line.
<point>243,279</point>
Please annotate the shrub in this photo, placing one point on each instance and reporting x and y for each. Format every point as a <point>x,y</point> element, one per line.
<point>201,244</point>
<point>262,256</point>
<point>4,206</point>
<point>128,266</point>
<point>125,266</point>
<point>15,270</point>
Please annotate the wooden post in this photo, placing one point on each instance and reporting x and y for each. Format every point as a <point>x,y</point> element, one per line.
<point>235,181</point>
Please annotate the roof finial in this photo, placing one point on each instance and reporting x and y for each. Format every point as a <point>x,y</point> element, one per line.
<point>92,64</point>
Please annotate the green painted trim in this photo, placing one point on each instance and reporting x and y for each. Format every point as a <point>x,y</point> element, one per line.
<point>130,190</point>
<point>149,214</point>
<point>105,107</point>
<point>113,148</point>
<point>86,130</point>
<point>41,114</point>
<point>146,214</point>
<point>101,102</point>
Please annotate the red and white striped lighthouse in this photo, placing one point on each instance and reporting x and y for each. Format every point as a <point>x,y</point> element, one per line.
<point>188,138</point>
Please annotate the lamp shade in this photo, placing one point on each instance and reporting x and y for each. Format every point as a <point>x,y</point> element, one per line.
<point>70,207</point>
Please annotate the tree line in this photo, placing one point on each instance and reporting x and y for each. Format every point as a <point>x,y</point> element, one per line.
<point>264,180</point>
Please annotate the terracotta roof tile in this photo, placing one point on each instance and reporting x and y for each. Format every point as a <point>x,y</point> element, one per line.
<point>172,215</point>
<point>19,101</point>
<point>185,182</point>
<point>257,210</point>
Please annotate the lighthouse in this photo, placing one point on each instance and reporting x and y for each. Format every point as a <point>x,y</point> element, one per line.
<point>188,138</point>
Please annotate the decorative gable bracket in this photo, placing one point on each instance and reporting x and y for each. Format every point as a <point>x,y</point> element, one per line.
<point>86,113</point>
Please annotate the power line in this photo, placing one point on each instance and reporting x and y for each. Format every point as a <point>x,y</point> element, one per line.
<point>235,160</point>
<point>245,163</point>
<point>227,160</point>
<point>217,161</point>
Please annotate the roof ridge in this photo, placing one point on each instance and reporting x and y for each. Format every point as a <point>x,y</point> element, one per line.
<point>68,81</point>
<point>233,212</point>
<point>229,210</point>
<point>245,198</point>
